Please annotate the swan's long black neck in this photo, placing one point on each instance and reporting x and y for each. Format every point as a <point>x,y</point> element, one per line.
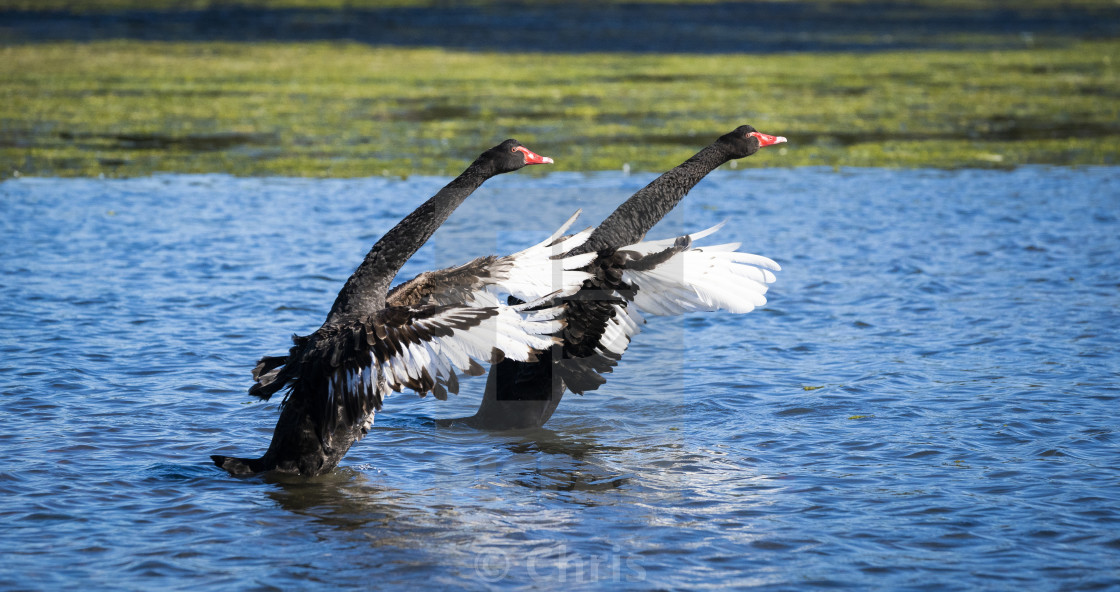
<point>633,219</point>
<point>366,289</point>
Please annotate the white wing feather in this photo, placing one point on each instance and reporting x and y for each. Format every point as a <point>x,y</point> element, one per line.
<point>531,274</point>
<point>517,334</point>
<point>540,270</point>
<point>700,278</point>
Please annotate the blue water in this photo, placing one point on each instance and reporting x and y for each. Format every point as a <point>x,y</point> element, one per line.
<point>928,402</point>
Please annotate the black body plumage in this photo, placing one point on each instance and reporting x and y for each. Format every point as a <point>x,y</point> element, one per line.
<point>334,376</point>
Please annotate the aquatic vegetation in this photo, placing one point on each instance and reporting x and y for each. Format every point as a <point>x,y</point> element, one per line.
<point>124,108</point>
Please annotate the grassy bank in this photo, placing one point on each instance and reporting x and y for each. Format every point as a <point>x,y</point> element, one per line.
<point>132,107</point>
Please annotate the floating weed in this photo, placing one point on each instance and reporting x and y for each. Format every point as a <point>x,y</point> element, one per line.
<point>125,108</point>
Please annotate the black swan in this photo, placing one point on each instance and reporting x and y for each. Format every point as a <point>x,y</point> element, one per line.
<point>522,395</point>
<point>376,341</point>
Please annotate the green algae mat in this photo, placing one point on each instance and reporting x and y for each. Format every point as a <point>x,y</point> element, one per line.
<point>309,105</point>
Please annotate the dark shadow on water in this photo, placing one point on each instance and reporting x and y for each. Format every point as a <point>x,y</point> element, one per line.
<point>578,472</point>
<point>546,441</point>
<point>702,28</point>
<point>150,141</point>
<point>571,480</point>
<point>344,499</point>
<point>348,499</point>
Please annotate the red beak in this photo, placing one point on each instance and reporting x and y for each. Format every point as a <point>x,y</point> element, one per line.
<point>532,157</point>
<point>767,140</point>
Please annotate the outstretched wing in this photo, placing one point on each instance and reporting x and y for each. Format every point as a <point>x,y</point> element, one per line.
<point>342,374</point>
<point>531,274</point>
<point>661,277</point>
<point>426,351</point>
<point>673,276</point>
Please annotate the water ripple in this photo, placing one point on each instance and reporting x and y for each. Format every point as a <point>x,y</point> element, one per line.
<point>926,402</point>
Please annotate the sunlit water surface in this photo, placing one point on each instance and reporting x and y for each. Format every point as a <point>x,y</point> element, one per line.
<point>929,400</point>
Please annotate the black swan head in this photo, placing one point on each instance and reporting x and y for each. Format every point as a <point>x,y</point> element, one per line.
<point>745,141</point>
<point>511,155</point>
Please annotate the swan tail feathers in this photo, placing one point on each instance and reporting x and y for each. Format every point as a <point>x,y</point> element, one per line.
<point>237,467</point>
